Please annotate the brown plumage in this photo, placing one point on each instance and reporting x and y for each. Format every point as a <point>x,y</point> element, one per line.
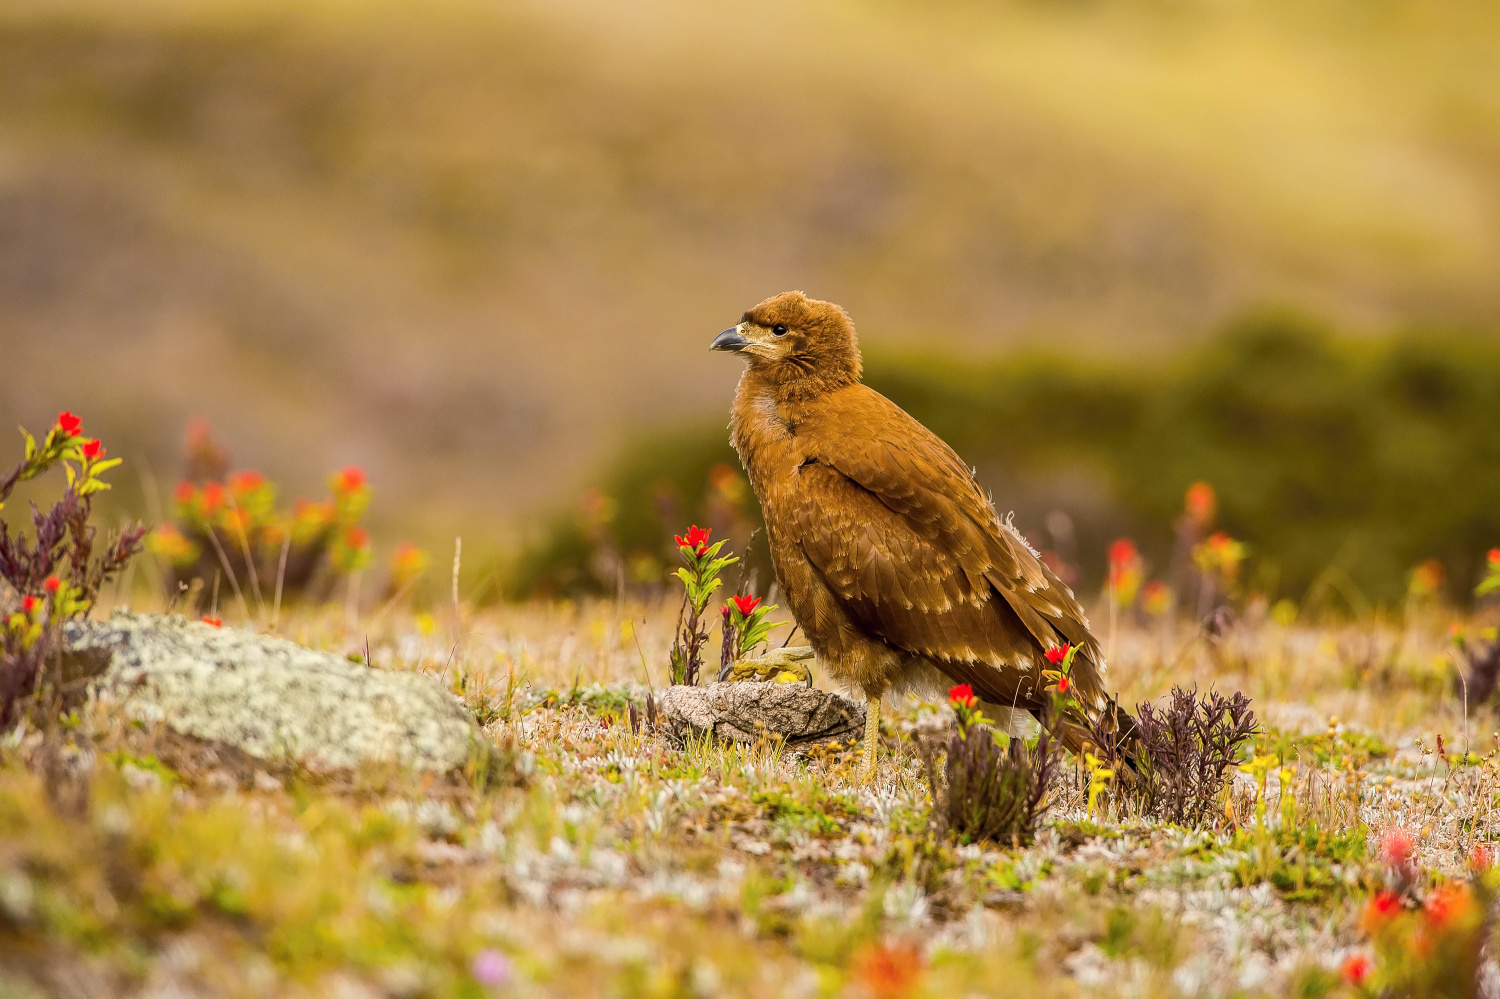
<point>890,556</point>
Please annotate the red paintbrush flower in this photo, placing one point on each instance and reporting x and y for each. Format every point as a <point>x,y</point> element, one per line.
<point>1396,848</point>
<point>351,479</point>
<point>52,584</point>
<point>184,493</point>
<point>1494,557</point>
<point>357,538</point>
<point>71,426</point>
<point>1356,968</point>
<point>962,696</point>
<point>29,604</point>
<point>1058,653</point>
<point>214,622</point>
<point>1122,552</point>
<point>745,605</point>
<point>1063,685</point>
<point>213,497</point>
<point>246,482</point>
<point>1382,907</point>
<point>697,539</point>
<point>93,449</point>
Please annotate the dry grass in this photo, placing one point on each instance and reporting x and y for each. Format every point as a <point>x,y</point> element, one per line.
<point>609,862</point>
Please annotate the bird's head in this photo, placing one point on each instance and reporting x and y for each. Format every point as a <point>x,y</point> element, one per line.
<point>796,342</point>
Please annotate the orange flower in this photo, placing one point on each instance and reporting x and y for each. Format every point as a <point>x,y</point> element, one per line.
<point>1446,903</point>
<point>350,479</point>
<point>887,971</point>
<point>215,622</point>
<point>246,482</point>
<point>1481,858</point>
<point>52,584</point>
<point>1494,557</point>
<point>1356,968</point>
<point>962,696</point>
<point>1201,502</point>
<point>357,538</point>
<point>184,493</point>
<point>1157,598</point>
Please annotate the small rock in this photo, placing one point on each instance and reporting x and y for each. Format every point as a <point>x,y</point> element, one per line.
<point>744,712</point>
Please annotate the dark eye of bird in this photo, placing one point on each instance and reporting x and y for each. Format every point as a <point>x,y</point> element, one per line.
<point>779,330</point>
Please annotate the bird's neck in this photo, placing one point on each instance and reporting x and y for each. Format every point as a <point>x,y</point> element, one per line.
<point>792,389</point>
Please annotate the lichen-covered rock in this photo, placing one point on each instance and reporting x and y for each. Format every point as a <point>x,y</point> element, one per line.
<point>801,715</point>
<point>270,697</point>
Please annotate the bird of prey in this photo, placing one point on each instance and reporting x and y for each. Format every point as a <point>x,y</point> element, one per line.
<point>889,554</point>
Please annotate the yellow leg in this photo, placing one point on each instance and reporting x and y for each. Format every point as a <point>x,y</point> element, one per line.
<point>872,739</point>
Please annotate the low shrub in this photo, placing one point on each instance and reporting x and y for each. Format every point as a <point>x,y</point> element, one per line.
<point>992,787</point>
<point>55,575</point>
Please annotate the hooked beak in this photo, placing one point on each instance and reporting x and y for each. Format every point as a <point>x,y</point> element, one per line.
<point>730,339</point>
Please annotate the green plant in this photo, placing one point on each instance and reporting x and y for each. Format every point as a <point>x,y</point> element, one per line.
<point>700,579</point>
<point>56,575</point>
<point>993,787</point>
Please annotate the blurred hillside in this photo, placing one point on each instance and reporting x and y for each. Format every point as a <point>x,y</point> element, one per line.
<point>1344,463</point>
<point>471,246</point>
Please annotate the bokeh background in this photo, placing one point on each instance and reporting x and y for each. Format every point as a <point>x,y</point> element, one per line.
<point>1106,248</point>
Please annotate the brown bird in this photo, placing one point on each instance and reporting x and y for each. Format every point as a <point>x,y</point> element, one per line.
<point>891,557</point>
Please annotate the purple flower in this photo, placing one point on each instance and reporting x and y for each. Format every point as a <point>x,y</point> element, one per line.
<point>492,968</point>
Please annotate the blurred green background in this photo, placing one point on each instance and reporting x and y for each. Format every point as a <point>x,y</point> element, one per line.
<point>1106,249</point>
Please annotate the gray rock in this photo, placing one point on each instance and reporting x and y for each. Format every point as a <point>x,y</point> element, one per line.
<point>801,715</point>
<point>269,697</point>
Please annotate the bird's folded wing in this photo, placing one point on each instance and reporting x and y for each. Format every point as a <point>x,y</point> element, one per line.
<point>902,533</point>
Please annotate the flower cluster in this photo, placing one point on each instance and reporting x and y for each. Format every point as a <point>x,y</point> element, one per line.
<point>1220,554</point>
<point>232,526</point>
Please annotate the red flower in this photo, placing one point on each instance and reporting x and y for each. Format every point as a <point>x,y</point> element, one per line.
<point>1356,968</point>
<point>1063,686</point>
<point>357,538</point>
<point>1481,858</point>
<point>697,539</point>
<point>216,622</point>
<point>745,605</point>
<point>351,479</point>
<point>52,584</point>
<point>1382,907</point>
<point>71,425</point>
<point>962,696</point>
<point>1396,848</point>
<point>1057,653</point>
<point>213,497</point>
<point>29,604</point>
<point>93,449</point>
<point>184,492</point>
<point>1494,557</point>
<point>1122,552</point>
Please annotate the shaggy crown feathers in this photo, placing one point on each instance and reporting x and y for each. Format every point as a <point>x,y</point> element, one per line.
<point>822,349</point>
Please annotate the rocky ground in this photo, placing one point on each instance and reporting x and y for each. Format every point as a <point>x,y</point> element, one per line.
<point>581,854</point>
